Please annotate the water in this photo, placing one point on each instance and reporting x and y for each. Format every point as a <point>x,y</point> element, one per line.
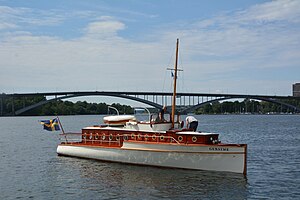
<point>31,169</point>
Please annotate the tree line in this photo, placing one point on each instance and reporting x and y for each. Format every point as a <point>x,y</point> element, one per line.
<point>59,107</point>
<point>84,108</point>
<point>247,106</point>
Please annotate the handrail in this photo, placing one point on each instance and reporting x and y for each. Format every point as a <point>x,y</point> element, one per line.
<point>129,136</point>
<point>88,140</point>
<point>70,133</point>
<point>108,107</point>
<point>156,136</point>
<point>143,108</point>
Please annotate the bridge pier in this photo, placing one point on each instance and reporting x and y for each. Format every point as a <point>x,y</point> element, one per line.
<point>13,106</point>
<point>24,102</point>
<point>1,106</point>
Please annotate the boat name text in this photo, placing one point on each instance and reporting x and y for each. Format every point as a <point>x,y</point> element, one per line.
<point>218,149</point>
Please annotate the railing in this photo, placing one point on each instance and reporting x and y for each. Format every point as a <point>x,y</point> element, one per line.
<point>87,140</point>
<point>114,139</point>
<point>147,138</point>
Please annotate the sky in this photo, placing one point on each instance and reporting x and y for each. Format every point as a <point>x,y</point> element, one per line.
<point>237,46</point>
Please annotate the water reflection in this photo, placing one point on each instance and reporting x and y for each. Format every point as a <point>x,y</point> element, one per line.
<point>114,180</point>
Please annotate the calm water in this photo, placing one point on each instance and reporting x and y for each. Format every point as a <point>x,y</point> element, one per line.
<point>30,167</point>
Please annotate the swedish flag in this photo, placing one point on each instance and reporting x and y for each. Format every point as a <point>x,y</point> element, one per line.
<point>51,125</point>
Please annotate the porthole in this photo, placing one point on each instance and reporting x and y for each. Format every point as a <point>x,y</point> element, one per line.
<point>146,137</point>
<point>139,136</point>
<point>118,137</point>
<point>154,137</point>
<point>96,136</point>
<point>84,136</point>
<point>162,138</point>
<point>103,136</point>
<point>132,136</point>
<point>194,139</point>
<point>180,138</point>
<point>111,137</point>
<point>91,136</point>
<point>125,137</point>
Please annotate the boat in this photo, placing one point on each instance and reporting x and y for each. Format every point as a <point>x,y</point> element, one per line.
<point>126,139</point>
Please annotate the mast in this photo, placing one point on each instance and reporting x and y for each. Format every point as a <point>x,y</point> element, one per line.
<point>175,84</point>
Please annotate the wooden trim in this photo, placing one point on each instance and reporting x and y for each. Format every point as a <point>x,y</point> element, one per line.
<point>245,160</point>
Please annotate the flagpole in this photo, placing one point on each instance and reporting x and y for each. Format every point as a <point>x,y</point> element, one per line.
<point>62,129</point>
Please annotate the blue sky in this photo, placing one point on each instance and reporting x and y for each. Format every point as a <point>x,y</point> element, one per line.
<point>235,46</point>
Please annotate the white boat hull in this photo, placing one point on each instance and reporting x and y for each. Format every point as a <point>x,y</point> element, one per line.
<point>206,157</point>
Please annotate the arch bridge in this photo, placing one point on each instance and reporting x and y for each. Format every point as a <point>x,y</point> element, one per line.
<point>186,102</point>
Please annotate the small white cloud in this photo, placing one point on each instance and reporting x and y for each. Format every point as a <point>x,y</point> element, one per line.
<point>5,26</point>
<point>278,10</point>
<point>104,28</point>
<point>6,11</point>
<point>106,18</point>
<point>19,17</point>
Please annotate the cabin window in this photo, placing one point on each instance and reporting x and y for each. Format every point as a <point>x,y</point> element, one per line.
<point>146,137</point>
<point>96,136</point>
<point>103,136</point>
<point>91,136</point>
<point>139,136</point>
<point>84,136</point>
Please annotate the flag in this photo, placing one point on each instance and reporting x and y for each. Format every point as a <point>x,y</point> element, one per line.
<point>173,75</point>
<point>51,125</point>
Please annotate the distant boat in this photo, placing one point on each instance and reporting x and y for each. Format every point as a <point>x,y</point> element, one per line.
<point>125,139</point>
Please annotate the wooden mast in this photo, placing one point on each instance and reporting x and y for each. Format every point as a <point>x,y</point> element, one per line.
<point>175,84</point>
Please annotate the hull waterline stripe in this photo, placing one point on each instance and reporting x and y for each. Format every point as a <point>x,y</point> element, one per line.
<point>153,150</point>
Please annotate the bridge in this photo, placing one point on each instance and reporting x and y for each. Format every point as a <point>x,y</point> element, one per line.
<point>186,102</point>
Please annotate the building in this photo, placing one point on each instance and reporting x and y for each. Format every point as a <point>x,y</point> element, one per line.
<point>296,90</point>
